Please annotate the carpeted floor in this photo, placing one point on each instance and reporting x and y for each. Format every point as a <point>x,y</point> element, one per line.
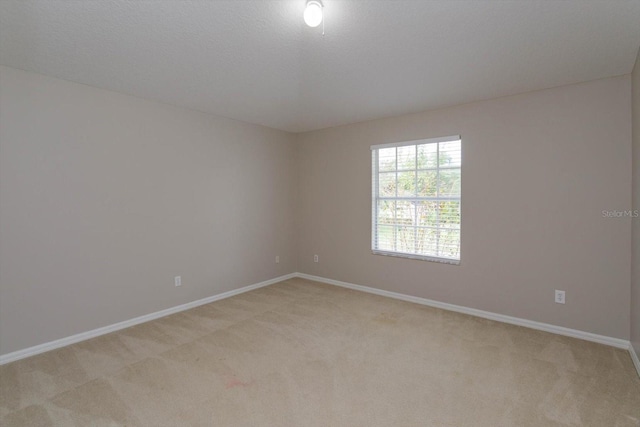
<point>301,353</point>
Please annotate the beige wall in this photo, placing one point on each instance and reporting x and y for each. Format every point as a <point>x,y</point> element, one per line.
<point>635,249</point>
<point>539,169</point>
<point>104,198</point>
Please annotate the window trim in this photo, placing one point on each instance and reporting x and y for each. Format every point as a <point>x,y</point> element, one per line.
<point>375,174</point>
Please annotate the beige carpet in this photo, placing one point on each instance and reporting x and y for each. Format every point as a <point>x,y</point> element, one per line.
<point>300,353</point>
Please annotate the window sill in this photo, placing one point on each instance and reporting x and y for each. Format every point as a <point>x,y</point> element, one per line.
<point>418,257</point>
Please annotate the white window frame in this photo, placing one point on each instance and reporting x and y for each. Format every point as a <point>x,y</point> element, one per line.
<point>376,197</point>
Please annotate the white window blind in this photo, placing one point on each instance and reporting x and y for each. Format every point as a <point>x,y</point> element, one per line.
<point>416,199</point>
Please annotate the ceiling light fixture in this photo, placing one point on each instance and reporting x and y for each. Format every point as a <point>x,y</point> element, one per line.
<point>313,13</point>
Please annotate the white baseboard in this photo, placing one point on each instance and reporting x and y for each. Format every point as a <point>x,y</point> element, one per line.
<point>52,345</point>
<point>588,336</point>
<point>634,357</point>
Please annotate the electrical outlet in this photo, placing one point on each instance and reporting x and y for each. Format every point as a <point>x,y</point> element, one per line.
<point>177,281</point>
<point>559,297</point>
<point>315,258</point>
<point>277,259</point>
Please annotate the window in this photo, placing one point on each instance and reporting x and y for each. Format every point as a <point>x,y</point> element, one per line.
<point>416,199</point>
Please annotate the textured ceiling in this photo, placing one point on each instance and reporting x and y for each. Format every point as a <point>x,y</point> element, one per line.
<point>256,61</point>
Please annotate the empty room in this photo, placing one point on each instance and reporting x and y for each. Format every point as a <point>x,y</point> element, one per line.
<point>320,213</point>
